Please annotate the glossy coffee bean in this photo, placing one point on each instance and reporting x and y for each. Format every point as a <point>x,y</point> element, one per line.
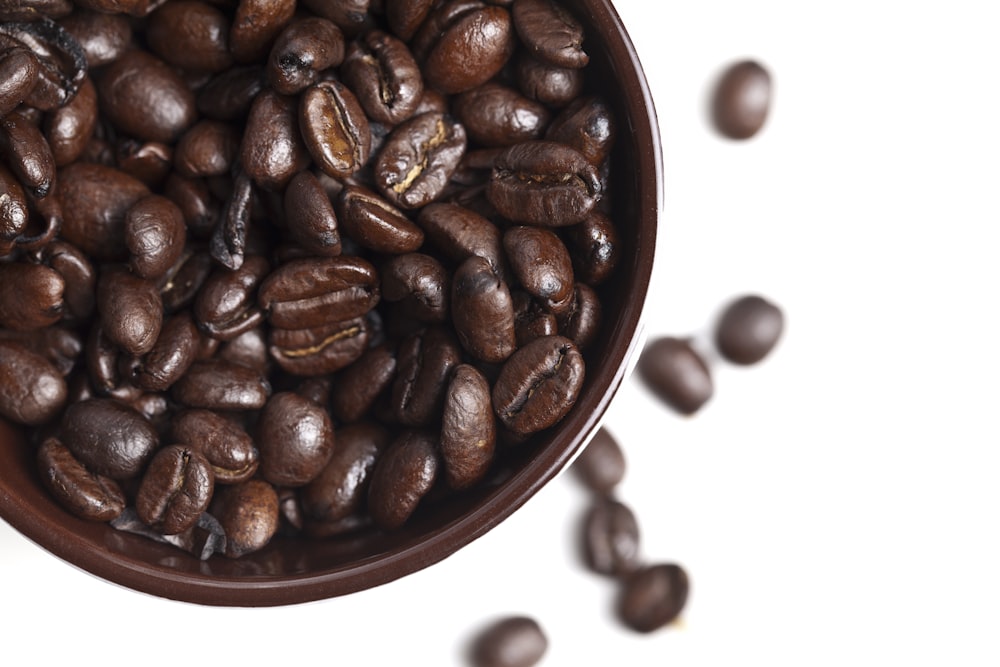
<point>384,76</point>
<point>14,211</point>
<point>183,281</point>
<point>419,284</point>
<point>175,489</point>
<point>424,365</point>
<point>374,223</point>
<point>588,125</point>
<point>335,128</point>
<point>550,32</point>
<point>406,16</point>
<point>418,158</point>
<point>226,305</point>
<point>248,513</point>
<point>742,100</point>
<point>653,596</point>
<point>208,148</point>
<point>468,428</point>
<point>221,385</point>
<point>601,464</point>
<point>305,48</point>
<point>256,24</point>
<point>339,490</point>
<point>108,437</point>
<point>531,319</point>
<point>460,233</point>
<point>295,439</point>
<point>483,311</point>
<point>512,641</point>
<point>85,494</point>
<point>173,353</point>
<point>309,292</point>
<point>190,35</point>
<point>538,385</point>
<point>62,62</point>
<point>79,277</point>
<point>676,373</point>
<point>467,44</point>
<point>544,183</point>
<point>68,128</point>
<point>148,161</point>
<point>595,248</point>
<point>310,216</point>
<point>321,349</point>
<point>28,154</point>
<point>359,385</point>
<point>18,76</point>
<point>748,329</point>
<point>581,323</point>
<point>95,200</point>
<point>32,390</point>
<point>497,115</point>
<point>551,85</point>
<point>403,475</point>
<point>272,151</point>
<point>610,538</point>
<point>154,236</point>
<point>61,346</point>
<point>130,310</point>
<point>102,37</point>
<point>229,94</point>
<point>31,296</point>
<point>228,448</point>
<point>248,349</point>
<point>541,264</point>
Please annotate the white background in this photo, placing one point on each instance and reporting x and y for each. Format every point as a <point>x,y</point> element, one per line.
<point>834,505</point>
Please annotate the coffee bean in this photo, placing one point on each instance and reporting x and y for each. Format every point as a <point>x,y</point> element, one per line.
<point>531,320</point>
<point>550,32</point>
<point>310,292</point>
<point>273,151</point>
<point>542,265</point>
<point>190,35</point>
<point>108,437</point>
<point>497,115</point>
<point>335,128</point>
<point>384,76</point>
<point>483,311</point>
<point>31,296</point>
<point>130,309</point>
<point>512,641</point>
<point>374,223</point>
<point>419,285</point>
<point>62,62</point>
<point>610,538</point>
<point>339,490</point>
<point>175,489</point>
<point>28,154</point>
<point>228,448</point>
<point>460,233</point>
<point>551,85</point>
<point>359,385</point>
<point>221,385</point>
<point>170,357</point>
<point>468,428</point>
<point>463,45</point>
<point>225,305</point>
<point>69,128</point>
<point>320,349</point>
<point>588,125</point>
<point>208,148</point>
<point>248,513</point>
<point>418,158</point>
<point>18,76</point>
<point>742,100</point>
<point>601,464</point>
<point>424,365</point>
<point>653,596</point>
<point>85,494</point>
<point>303,49</point>
<point>310,215</point>
<point>748,329</point>
<point>256,24</point>
<point>676,373</point>
<point>402,476</point>
<point>405,16</point>
<point>295,439</point>
<point>595,248</point>
<point>229,94</point>
<point>32,391</point>
<point>154,236</point>
<point>102,37</point>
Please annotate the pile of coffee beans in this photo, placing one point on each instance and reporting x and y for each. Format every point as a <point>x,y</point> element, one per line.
<point>293,265</point>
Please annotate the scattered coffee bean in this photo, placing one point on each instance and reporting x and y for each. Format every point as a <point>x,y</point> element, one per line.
<point>677,373</point>
<point>513,641</point>
<point>610,538</point>
<point>742,100</point>
<point>601,464</point>
<point>748,329</point>
<point>653,596</point>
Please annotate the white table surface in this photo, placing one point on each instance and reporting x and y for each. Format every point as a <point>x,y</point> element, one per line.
<point>835,505</point>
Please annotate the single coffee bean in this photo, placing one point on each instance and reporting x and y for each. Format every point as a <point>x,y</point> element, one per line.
<point>551,85</point>
<point>588,125</point>
<point>610,538</point>
<point>272,150</point>
<point>497,115</point>
<point>305,48</point>
<point>339,490</point>
<point>538,385</point>
<point>18,76</point>
<point>582,321</point>
<point>248,349</point>
<point>228,243</point>
<point>109,437</point>
<point>172,354</point>
<point>248,513</point>
<point>550,32</point>
<point>190,35</point>
<point>742,100</point>
<point>310,216</point>
<point>31,296</point>
<point>601,464</point>
<point>14,210</point>
<point>541,264</point>
<point>418,284</point>
<point>130,309</point>
<point>79,277</point>
<point>595,247</point>
<point>320,349</point>
<point>384,76</point>
<point>653,596</point>
<point>295,439</point>
<point>102,37</point>
<point>154,235</point>
<point>68,128</point>
<point>256,24</point>
<point>221,385</point>
<point>402,476</point>
<point>424,365</point>
<point>226,305</point>
<point>483,311</point>
<point>468,428</point>
<point>175,489</point>
<point>228,448</point>
<point>676,373</point>
<point>374,223</point>
<point>531,319</point>
<point>86,495</point>
<point>208,148</point>
<point>184,280</point>
<point>32,390</point>
<point>512,641</point>
<point>310,292</point>
<point>418,158</point>
<point>405,16</point>
<point>460,233</point>
<point>335,128</point>
<point>28,154</point>
<point>748,329</point>
<point>359,385</point>
<point>467,44</point>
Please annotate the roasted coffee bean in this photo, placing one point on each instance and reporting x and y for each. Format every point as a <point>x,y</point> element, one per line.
<point>384,76</point>
<point>31,296</point>
<point>601,464</point>
<point>582,322</point>
<point>32,390</point>
<point>321,349</point>
<point>538,385</point>
<point>512,641</point>
<point>742,100</point>
<point>374,223</point>
<point>108,437</point>
<point>653,596</point>
<point>61,346</point>
<point>610,538</point>
<point>226,305</point>
<point>208,148</point>
<point>201,210</point>
<point>148,161</point>
<point>595,247</point>
<point>171,356</point>
<point>248,349</point>
<point>154,235</point>
<point>588,125</point>
<point>295,438</point>
<point>183,282</point>
<point>272,150</point>
<point>549,84</point>
<point>144,98</point>
<point>310,292</point>
<point>405,16</point>
<point>229,94</point>
<point>541,264</point>
<point>86,495</point>
<point>497,115</point>
<point>190,35</point>
<point>403,475</point>
<point>544,183</point>
<point>419,284</point>
<point>550,32</point>
<point>310,217</point>
<point>351,15</point>
<point>248,513</point>
<point>418,158</point>
<point>15,212</point>
<point>228,448</point>
<point>102,361</point>
<point>676,373</point>
<point>460,233</point>
<point>102,37</point>
<point>339,490</point>
<point>18,76</point>
<point>62,63</point>
<point>216,384</point>
<point>306,47</point>
<point>468,428</point>
<point>176,488</point>
<point>424,365</point>
<point>464,44</point>
<point>229,236</point>
<point>94,201</point>
<point>130,310</point>
<point>531,320</point>
<point>483,311</point>
<point>255,26</point>
<point>358,386</point>
<point>335,129</point>
<point>68,128</point>
<point>748,329</point>
<point>28,154</point>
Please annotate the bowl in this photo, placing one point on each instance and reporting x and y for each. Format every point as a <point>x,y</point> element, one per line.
<point>296,570</point>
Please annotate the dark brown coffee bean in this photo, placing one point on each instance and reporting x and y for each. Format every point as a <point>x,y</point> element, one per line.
<point>295,439</point>
<point>208,148</point>
<point>588,125</point>
<point>541,264</point>
<point>15,212</point>
<point>248,349</point>
<point>305,47</point>
<point>60,345</point>
<point>405,16</point>
<point>742,100</point>
<point>102,361</point>
<point>538,385</point>
<point>419,284</point>
<point>748,329</point>
<point>176,488</point>
<point>595,247</point>
<point>310,292</point>
<point>18,76</point>
<point>374,223</point>
<point>28,154</point>
<point>32,390</point>
<point>610,538</point>
<point>601,464</point>
<point>425,362</point>
<point>310,216</point>
<point>384,76</point>
<point>69,128</point>
<point>358,386</point>
<point>550,32</point>
<point>94,201</point>
<point>248,513</point>
<point>144,98</point>
<point>108,437</point>
<point>653,597</point>
<point>272,150</point>
<point>418,158</point>
<point>216,384</point>
<point>468,428</point>
<point>171,356</point>
<point>190,35</point>
<point>676,373</point>
<point>31,296</point>
<point>227,447</point>
<point>102,37</point>
<point>229,237</point>
<point>229,94</point>
<point>130,309</point>
<point>321,349</point>
<point>154,235</point>
<point>339,490</point>
<point>62,62</point>
<point>86,495</point>
<point>182,283</point>
<point>256,24</point>
<point>549,84</point>
<point>403,475</point>
<point>79,277</point>
<point>460,233</point>
<point>531,320</point>
<point>496,115</point>
<point>193,197</point>
<point>149,161</point>
<point>335,128</point>
<point>544,183</point>
<point>582,322</point>
<point>512,641</point>
<point>482,311</point>
<point>226,305</point>
<point>467,44</point>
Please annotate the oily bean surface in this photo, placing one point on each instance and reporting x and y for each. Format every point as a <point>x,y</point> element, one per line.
<point>176,488</point>
<point>418,158</point>
<point>248,513</point>
<point>538,384</point>
<point>108,437</point>
<point>335,129</point>
<point>295,438</point>
<point>483,311</point>
<point>339,490</point>
<point>403,475</point>
<point>228,448</point>
<point>468,428</point>
<point>85,494</point>
<point>32,391</point>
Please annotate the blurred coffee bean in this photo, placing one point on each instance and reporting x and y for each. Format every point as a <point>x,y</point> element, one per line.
<point>512,641</point>
<point>653,596</point>
<point>62,62</point>
<point>742,100</point>
<point>31,296</point>
<point>102,37</point>
<point>69,128</point>
<point>601,464</point>
<point>208,148</point>
<point>551,85</point>
<point>610,538</point>
<point>190,35</point>
<point>256,24</point>
<point>229,94</point>
<point>676,373</point>
<point>748,329</point>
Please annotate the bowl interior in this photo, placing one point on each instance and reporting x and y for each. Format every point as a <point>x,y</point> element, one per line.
<point>293,570</point>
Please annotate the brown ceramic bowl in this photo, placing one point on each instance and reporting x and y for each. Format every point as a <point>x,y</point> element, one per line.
<point>295,570</point>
